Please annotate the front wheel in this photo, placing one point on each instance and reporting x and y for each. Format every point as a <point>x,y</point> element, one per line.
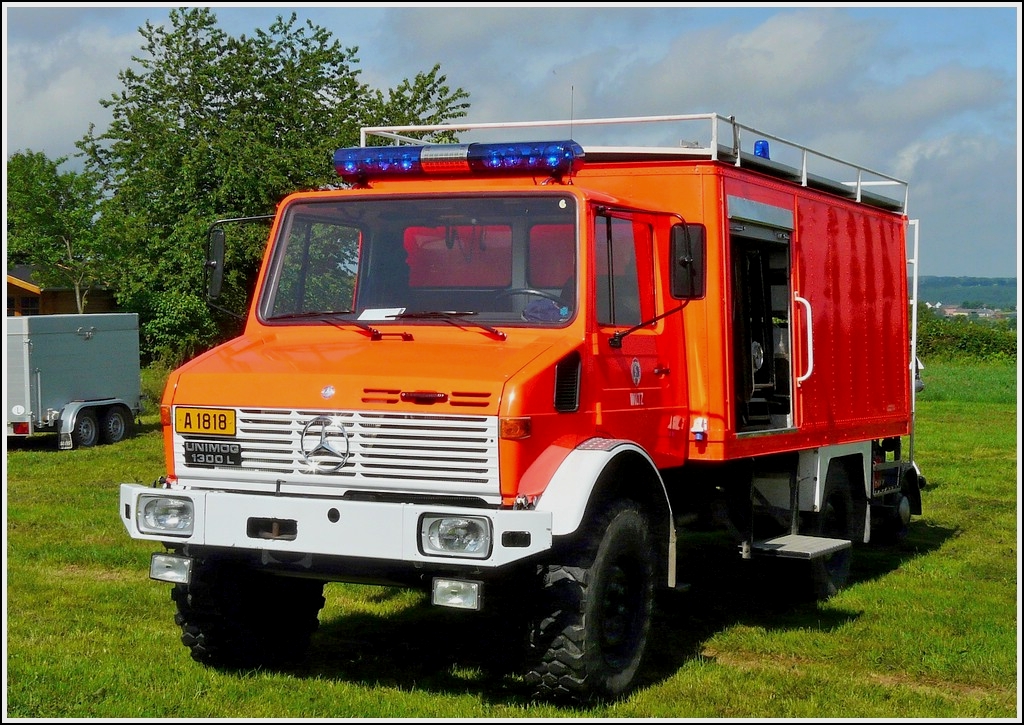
<point>232,616</point>
<point>592,629</point>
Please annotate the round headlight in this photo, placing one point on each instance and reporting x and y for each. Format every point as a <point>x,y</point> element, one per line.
<point>458,535</point>
<point>455,535</point>
<point>167,514</point>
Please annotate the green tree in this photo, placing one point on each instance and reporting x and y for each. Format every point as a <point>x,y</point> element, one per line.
<point>51,224</point>
<point>210,126</point>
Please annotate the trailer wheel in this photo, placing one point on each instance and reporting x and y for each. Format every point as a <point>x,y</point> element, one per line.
<point>117,424</point>
<point>234,617</point>
<point>86,432</point>
<point>591,631</point>
<point>829,573</point>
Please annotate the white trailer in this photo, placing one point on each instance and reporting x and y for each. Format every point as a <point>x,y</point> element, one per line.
<point>74,375</point>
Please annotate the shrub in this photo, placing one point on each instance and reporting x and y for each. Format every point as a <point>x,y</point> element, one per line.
<point>959,339</point>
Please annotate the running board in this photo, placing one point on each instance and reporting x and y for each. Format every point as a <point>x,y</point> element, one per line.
<point>796,546</point>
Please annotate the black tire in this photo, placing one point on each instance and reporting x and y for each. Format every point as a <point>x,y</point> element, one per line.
<point>116,424</point>
<point>591,631</point>
<point>835,520</point>
<point>86,432</point>
<point>892,524</point>
<point>234,617</point>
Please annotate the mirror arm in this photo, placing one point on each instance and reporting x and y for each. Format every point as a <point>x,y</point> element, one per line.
<point>616,339</point>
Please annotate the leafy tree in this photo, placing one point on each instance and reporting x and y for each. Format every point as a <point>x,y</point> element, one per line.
<point>51,224</point>
<point>211,126</point>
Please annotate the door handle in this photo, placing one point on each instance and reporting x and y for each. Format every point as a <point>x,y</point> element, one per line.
<point>810,337</point>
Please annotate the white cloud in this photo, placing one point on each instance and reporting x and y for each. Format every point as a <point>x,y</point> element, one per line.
<point>56,88</point>
<point>929,95</point>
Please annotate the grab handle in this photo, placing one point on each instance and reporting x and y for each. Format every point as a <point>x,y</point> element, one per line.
<point>810,338</point>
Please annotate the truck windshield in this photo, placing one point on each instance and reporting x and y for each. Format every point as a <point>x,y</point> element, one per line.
<point>507,260</point>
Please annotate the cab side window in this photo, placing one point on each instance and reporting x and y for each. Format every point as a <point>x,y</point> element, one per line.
<point>624,287</point>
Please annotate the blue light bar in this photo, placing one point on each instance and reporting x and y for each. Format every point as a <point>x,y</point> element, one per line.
<point>551,158</point>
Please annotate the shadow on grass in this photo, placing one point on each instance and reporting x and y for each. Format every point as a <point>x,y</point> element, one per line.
<point>457,653</point>
<point>726,590</point>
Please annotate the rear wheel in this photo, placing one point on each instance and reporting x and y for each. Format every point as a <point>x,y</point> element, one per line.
<point>86,432</point>
<point>117,424</point>
<point>592,629</point>
<point>829,573</point>
<point>890,523</point>
<point>893,524</point>
<point>231,616</point>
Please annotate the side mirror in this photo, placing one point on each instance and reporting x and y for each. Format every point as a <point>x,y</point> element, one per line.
<point>688,250</point>
<point>214,263</point>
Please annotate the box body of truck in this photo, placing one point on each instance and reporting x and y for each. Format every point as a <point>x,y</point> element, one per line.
<point>514,372</point>
<point>74,375</point>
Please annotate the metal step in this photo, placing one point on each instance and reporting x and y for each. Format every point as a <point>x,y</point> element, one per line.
<point>797,546</point>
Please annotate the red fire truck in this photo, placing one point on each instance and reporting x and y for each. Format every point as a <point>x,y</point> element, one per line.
<point>513,374</point>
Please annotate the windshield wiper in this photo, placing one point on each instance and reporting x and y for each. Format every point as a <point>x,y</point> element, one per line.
<point>331,316</point>
<point>452,317</point>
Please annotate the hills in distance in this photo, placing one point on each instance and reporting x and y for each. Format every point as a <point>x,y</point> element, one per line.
<point>992,292</point>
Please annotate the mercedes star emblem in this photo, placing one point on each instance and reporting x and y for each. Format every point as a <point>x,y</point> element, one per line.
<point>320,445</point>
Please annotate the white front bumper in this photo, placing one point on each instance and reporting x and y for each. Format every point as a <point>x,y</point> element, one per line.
<point>333,527</point>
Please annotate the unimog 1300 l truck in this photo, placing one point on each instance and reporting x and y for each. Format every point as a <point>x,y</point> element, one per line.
<point>511,373</point>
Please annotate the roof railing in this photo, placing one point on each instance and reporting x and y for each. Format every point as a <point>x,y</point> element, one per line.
<point>718,138</point>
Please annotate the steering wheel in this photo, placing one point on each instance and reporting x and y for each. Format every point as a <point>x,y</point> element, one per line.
<point>531,291</point>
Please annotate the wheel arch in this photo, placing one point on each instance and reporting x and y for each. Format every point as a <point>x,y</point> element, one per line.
<point>854,462</point>
<point>600,471</point>
<point>70,412</point>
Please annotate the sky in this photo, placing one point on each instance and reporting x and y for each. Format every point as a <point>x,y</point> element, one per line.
<point>929,94</point>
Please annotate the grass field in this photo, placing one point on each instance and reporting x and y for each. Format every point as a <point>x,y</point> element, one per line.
<point>928,629</point>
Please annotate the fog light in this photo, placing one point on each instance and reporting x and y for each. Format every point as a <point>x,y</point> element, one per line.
<point>468,536</point>
<point>456,593</point>
<point>170,568</point>
<point>165,515</point>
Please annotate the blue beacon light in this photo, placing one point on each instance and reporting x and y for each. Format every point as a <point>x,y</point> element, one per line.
<point>761,149</point>
<point>357,164</point>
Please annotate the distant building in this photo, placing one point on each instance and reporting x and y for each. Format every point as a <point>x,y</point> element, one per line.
<point>27,297</point>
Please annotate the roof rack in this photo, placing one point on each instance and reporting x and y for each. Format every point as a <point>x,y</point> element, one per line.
<point>718,138</point>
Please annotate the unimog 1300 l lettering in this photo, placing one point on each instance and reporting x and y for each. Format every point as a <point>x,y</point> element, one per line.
<point>510,373</point>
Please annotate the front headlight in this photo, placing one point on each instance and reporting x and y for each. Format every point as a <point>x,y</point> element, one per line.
<point>165,515</point>
<point>467,536</point>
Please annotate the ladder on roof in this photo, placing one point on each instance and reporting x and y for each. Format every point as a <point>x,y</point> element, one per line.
<point>719,138</point>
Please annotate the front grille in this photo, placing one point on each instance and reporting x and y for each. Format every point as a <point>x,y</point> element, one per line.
<point>388,451</point>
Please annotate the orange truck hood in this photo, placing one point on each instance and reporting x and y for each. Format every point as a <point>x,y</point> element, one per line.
<point>357,373</point>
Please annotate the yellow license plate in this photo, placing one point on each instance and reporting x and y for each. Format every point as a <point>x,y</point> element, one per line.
<point>205,421</point>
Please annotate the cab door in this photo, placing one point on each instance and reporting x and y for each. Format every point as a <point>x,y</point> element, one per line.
<point>630,368</point>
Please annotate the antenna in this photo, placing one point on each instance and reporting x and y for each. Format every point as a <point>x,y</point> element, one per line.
<point>572,101</point>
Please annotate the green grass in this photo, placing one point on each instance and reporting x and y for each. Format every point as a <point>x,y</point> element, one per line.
<point>927,629</point>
